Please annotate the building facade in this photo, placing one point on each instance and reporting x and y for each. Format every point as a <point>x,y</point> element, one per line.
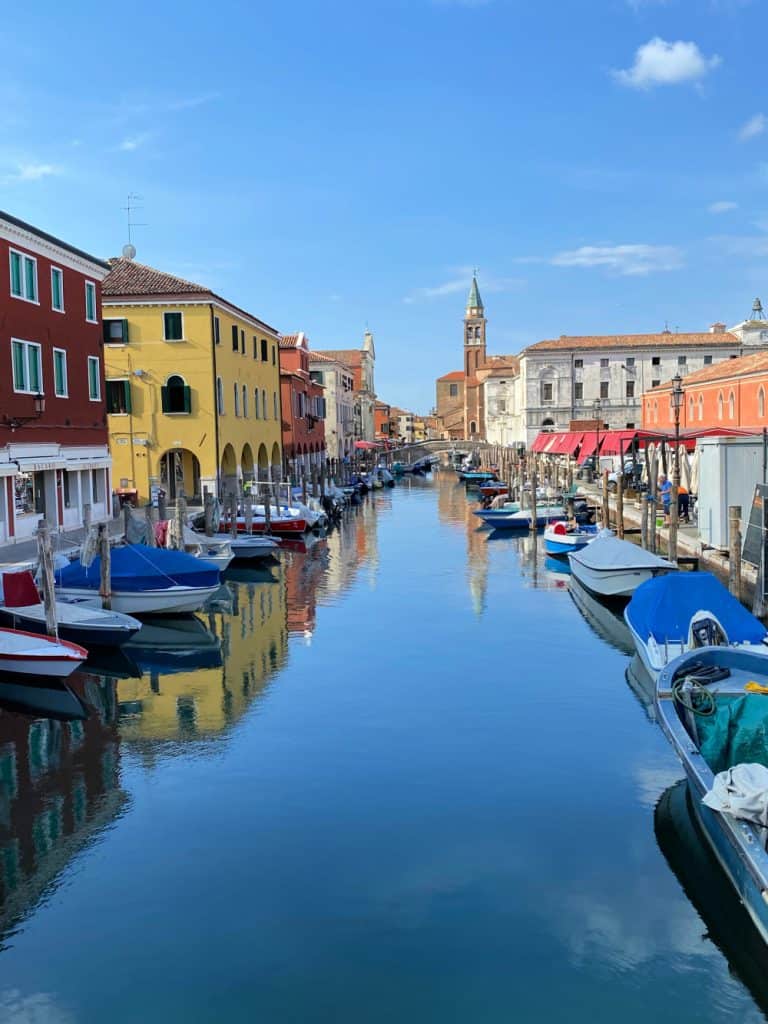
<point>303,421</point>
<point>449,399</point>
<point>339,383</point>
<point>362,362</point>
<point>193,387</point>
<point>382,413</point>
<point>54,453</point>
<point>503,412</point>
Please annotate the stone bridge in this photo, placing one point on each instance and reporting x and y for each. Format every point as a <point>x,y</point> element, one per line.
<point>409,453</point>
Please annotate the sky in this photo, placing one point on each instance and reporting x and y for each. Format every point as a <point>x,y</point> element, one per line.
<point>332,165</point>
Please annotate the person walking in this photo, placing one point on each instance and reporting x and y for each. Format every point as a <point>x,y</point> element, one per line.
<point>665,490</point>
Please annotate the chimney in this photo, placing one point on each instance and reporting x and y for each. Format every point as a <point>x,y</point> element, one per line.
<point>717,328</point>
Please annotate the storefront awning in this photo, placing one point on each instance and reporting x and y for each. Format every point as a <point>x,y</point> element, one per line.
<point>614,442</point>
<point>541,440</point>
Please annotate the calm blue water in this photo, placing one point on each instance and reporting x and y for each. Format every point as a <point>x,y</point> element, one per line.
<point>397,778</point>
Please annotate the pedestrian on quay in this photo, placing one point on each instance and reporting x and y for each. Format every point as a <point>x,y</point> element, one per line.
<point>683,504</point>
<point>665,490</point>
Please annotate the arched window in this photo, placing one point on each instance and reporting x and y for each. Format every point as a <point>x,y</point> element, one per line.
<point>245,400</point>
<point>219,397</point>
<point>237,399</point>
<point>701,407</point>
<point>274,404</point>
<point>761,402</point>
<point>264,404</point>
<point>731,406</point>
<point>256,403</point>
<point>175,395</point>
<point>655,411</point>
<point>472,427</point>
<point>720,405</point>
<point>691,407</point>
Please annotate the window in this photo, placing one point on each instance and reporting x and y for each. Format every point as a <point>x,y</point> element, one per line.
<point>235,338</point>
<point>245,400</point>
<point>655,383</point>
<point>731,406</point>
<point>682,360</point>
<point>578,391</point>
<point>57,289</point>
<point>546,391</point>
<point>256,412</point>
<point>707,360</point>
<point>264,355</point>
<point>176,396</point>
<point>216,331</point>
<point>656,361</point>
<point>630,362</point>
<point>242,342</point>
<point>630,388</point>
<point>274,404</point>
<point>603,364</point>
<point>761,403</point>
<point>720,406</point>
<point>317,376</point>
<point>173,328</point>
<point>274,355</point>
<point>578,364</point>
<point>67,489</point>
<point>255,347</point>
<point>60,388</point>
<point>236,390</point>
<point>219,397</point>
<point>691,406</point>
<point>90,302</point>
<point>264,404</point>
<point>27,368</point>
<point>630,426</point>
<point>23,276</point>
<point>701,407</point>
<point>94,379</point>
<point>453,390</point>
<point>118,397</point>
<point>115,332</point>
<point>603,388</point>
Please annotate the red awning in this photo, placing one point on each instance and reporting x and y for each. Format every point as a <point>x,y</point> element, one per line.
<point>588,445</point>
<point>540,440</point>
<point>572,441</point>
<point>613,442</point>
<point>367,445</point>
<point>563,443</point>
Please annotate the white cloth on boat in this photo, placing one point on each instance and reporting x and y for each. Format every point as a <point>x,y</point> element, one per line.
<point>741,791</point>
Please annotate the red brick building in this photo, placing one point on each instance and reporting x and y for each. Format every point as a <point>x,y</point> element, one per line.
<point>381,424</point>
<point>729,394</point>
<point>54,454</point>
<point>303,407</point>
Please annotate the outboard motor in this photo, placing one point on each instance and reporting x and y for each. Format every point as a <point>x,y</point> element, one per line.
<point>707,632</point>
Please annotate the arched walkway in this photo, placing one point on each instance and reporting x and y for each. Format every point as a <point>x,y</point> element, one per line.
<point>263,463</point>
<point>229,475</point>
<point>180,474</point>
<point>276,462</point>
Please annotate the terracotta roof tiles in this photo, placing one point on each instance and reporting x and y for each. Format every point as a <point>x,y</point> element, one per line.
<point>755,362</point>
<point>619,341</point>
<point>453,375</point>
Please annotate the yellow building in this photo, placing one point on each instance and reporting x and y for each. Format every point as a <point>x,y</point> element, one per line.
<point>193,386</point>
<point>419,429</point>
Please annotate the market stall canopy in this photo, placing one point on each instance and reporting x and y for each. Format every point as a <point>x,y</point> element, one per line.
<point>366,445</point>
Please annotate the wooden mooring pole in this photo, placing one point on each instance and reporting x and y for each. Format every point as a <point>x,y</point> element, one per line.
<point>620,505</point>
<point>734,550</point>
<point>105,554</point>
<point>46,577</point>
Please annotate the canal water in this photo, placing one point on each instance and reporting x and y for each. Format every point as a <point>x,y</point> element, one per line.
<point>399,777</point>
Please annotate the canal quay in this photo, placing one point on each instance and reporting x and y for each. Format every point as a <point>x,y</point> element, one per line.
<point>400,776</point>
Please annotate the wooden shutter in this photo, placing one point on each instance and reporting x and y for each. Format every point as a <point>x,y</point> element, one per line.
<point>187,398</point>
<point>164,398</point>
<point>127,395</point>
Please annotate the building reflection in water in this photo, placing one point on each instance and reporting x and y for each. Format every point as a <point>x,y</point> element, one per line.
<point>59,787</point>
<point>455,506</point>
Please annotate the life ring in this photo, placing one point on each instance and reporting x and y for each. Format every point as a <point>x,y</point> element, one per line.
<point>560,529</point>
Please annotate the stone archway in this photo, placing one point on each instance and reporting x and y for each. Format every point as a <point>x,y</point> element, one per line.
<point>263,463</point>
<point>228,472</point>
<point>247,468</point>
<point>277,464</point>
<point>180,474</point>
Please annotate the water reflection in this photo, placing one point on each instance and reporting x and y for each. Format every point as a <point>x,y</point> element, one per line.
<point>59,787</point>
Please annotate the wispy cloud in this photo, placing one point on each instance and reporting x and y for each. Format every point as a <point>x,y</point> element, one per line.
<point>722,206</point>
<point>658,62</point>
<point>461,282</point>
<point>624,260</point>
<point>753,127</point>
<point>29,171</point>
<point>133,142</point>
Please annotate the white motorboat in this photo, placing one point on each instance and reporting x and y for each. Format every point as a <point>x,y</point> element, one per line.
<point>507,519</point>
<point>611,567</point>
<point>212,549</point>
<point>253,545</point>
<point>29,654</point>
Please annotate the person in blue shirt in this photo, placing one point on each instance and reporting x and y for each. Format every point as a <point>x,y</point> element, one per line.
<point>665,490</point>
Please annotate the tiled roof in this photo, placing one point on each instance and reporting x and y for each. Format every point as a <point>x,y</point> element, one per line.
<point>351,356</point>
<point>619,341</point>
<point>755,362</point>
<point>324,357</point>
<point>453,375</point>
<point>129,278</point>
<point>51,238</point>
<point>288,340</point>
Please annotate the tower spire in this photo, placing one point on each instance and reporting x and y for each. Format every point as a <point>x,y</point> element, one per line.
<point>474,301</point>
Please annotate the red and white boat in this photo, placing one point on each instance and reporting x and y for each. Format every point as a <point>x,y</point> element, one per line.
<point>30,654</point>
<point>288,521</point>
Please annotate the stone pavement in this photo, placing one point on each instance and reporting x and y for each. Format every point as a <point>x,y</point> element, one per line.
<point>23,554</point>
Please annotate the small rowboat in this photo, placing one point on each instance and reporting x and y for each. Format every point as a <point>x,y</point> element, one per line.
<point>560,538</point>
<point>493,488</point>
<point>29,654</point>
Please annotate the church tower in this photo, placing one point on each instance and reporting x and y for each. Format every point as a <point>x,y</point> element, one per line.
<point>474,331</point>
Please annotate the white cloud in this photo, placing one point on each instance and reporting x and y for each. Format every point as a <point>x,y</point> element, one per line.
<point>722,206</point>
<point>661,63</point>
<point>133,142</point>
<point>29,171</point>
<point>626,260</point>
<point>753,127</point>
<point>461,283</point>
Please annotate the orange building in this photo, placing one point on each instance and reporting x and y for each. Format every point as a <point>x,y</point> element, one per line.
<point>729,394</point>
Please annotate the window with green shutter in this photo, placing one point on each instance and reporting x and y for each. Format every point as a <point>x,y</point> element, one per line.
<point>118,396</point>
<point>30,279</point>
<point>94,379</point>
<point>264,355</point>
<point>173,327</point>
<point>16,282</point>
<point>235,338</point>
<point>57,289</point>
<point>27,371</point>
<point>90,301</point>
<point>176,396</point>
<point>60,387</point>
<point>115,332</point>
<point>23,276</point>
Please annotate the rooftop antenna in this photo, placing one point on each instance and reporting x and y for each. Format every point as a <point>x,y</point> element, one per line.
<point>129,250</point>
<point>757,310</point>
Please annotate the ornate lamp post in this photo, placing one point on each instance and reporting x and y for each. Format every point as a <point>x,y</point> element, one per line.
<point>677,404</point>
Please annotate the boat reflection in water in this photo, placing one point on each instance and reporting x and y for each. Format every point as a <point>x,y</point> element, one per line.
<point>642,685</point>
<point>728,925</point>
<point>59,788</point>
<point>606,622</point>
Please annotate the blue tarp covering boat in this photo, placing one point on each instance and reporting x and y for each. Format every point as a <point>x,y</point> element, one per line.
<point>662,608</point>
<point>137,567</point>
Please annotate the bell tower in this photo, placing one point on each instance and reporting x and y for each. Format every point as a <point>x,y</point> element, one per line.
<point>474,331</point>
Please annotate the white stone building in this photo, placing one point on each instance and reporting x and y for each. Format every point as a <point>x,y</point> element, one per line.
<point>339,382</point>
<point>362,362</point>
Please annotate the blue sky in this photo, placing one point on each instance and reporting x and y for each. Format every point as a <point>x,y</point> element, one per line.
<point>326,165</point>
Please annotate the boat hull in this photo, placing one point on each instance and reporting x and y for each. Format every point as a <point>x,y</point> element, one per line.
<point>611,582</point>
<point>88,636</point>
<point>166,601</point>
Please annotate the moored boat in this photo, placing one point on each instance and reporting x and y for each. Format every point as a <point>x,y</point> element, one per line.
<point>711,706</point>
<point>611,567</point>
<point>29,654</point>
<point>286,520</point>
<point>682,611</point>
<point>143,580</point>
<point>506,519</point>
<point>560,538</point>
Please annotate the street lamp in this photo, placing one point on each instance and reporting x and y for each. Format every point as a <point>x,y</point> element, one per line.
<point>597,410</point>
<point>677,404</point>
<point>14,422</point>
